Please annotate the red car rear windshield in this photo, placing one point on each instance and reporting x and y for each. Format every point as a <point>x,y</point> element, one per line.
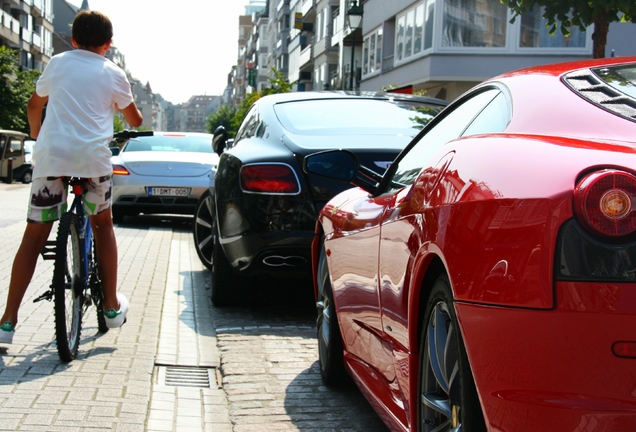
<point>620,78</point>
<point>611,87</point>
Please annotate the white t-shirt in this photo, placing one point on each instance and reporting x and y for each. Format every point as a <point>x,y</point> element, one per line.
<point>83,90</point>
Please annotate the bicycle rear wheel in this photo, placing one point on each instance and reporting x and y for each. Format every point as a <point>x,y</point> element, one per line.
<point>97,290</point>
<point>68,287</point>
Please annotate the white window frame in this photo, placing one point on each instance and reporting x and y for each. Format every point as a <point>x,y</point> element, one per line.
<point>412,13</point>
<point>376,69</point>
<point>511,45</point>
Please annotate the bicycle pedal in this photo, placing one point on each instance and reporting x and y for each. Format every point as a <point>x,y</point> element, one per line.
<point>49,251</point>
<point>48,295</point>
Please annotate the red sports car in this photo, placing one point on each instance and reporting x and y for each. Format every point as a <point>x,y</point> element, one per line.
<point>487,281</point>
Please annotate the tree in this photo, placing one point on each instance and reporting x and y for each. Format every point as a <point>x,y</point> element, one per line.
<point>16,87</point>
<point>222,117</point>
<point>580,13</point>
<point>231,119</point>
<point>118,123</point>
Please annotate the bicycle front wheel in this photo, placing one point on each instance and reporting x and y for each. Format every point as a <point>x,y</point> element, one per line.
<point>68,287</point>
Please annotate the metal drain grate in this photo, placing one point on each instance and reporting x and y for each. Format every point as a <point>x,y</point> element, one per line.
<point>189,377</point>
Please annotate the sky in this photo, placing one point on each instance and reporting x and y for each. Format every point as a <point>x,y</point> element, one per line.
<point>182,48</point>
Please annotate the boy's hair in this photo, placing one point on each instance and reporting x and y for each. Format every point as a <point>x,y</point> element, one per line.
<point>92,29</point>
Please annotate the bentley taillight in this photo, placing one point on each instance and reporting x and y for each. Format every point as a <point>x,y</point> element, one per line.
<point>604,202</point>
<point>269,178</point>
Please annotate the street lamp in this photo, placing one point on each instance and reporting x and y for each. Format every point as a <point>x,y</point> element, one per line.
<point>354,20</point>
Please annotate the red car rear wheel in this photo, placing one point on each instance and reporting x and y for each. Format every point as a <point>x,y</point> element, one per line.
<point>448,397</point>
<point>330,348</point>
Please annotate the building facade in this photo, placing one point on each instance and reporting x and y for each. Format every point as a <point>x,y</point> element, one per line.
<point>195,112</point>
<point>444,47</point>
<point>437,47</point>
<point>27,27</point>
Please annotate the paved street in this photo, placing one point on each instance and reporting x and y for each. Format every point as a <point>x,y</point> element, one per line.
<point>178,364</point>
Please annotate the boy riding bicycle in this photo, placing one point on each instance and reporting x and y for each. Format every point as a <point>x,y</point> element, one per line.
<point>81,90</point>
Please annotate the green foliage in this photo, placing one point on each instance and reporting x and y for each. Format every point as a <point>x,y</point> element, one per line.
<point>16,87</point>
<point>224,116</point>
<point>579,13</point>
<point>118,124</point>
<point>424,117</point>
<point>231,118</point>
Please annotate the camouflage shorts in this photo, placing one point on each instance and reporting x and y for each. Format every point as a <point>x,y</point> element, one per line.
<point>49,198</point>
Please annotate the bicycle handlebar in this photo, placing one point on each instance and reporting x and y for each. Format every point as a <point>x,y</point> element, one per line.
<point>126,134</point>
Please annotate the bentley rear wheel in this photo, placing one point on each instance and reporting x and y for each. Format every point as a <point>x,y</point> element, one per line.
<point>223,280</point>
<point>202,229</point>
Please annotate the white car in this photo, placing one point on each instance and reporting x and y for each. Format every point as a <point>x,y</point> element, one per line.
<point>165,173</point>
<point>28,151</point>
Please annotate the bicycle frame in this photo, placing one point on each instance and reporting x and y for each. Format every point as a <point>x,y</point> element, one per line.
<point>76,287</point>
<point>86,233</point>
<point>76,283</point>
<point>76,186</point>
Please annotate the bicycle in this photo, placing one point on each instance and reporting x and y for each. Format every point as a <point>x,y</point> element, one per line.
<point>76,283</point>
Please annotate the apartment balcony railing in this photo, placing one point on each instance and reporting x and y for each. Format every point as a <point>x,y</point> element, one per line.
<point>9,28</point>
<point>36,40</point>
<point>306,56</point>
<point>36,7</point>
<point>307,6</point>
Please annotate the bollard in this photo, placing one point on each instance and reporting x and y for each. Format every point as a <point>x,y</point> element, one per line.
<point>9,171</point>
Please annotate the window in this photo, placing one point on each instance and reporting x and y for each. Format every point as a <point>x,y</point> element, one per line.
<point>494,118</point>
<point>428,28</point>
<point>13,146</point>
<point>473,23</point>
<point>408,39</point>
<point>483,24</point>
<point>414,31</point>
<point>329,117</point>
<point>418,29</point>
<point>533,33</point>
<point>372,53</point>
<point>248,126</point>
<point>453,125</point>
<point>319,26</point>
<point>399,38</point>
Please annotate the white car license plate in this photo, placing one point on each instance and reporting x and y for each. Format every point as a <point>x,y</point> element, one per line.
<point>168,192</point>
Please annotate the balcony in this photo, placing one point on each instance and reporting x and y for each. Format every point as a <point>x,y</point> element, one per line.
<point>27,35</point>
<point>307,7</point>
<point>306,56</point>
<point>282,4</point>
<point>36,8</point>
<point>9,28</point>
<point>43,56</point>
<point>22,6</point>
<point>36,43</point>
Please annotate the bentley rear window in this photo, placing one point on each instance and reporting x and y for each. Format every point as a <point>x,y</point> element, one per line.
<point>325,117</point>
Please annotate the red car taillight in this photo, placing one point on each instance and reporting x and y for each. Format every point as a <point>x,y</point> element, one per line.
<point>120,170</point>
<point>604,202</point>
<point>269,178</point>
